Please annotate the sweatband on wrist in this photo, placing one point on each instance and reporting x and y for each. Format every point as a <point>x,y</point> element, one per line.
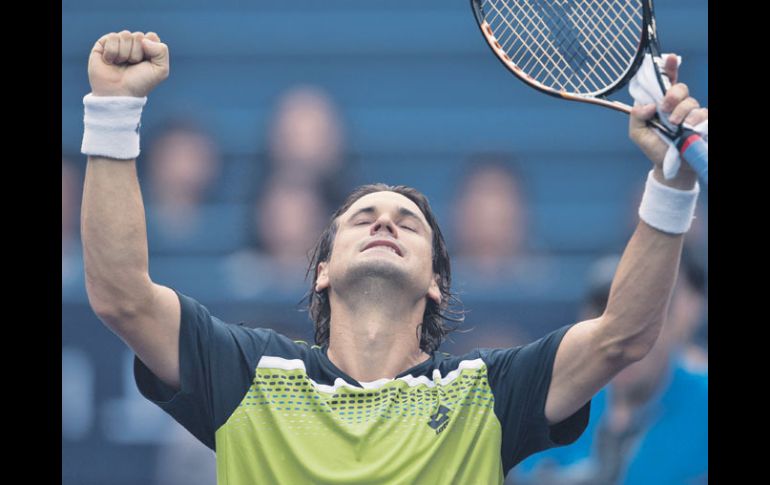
<point>112,126</point>
<point>666,208</point>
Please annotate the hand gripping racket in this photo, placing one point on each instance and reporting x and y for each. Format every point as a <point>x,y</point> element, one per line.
<point>583,50</point>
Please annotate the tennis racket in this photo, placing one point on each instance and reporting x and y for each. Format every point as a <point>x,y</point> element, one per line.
<point>583,50</point>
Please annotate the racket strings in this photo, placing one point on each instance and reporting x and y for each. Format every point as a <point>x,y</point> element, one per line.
<point>529,42</point>
<point>577,46</point>
<point>622,46</point>
<point>608,66</point>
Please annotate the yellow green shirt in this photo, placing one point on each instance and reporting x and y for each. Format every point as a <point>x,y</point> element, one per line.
<point>278,411</point>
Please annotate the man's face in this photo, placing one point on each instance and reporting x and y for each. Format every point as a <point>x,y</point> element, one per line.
<point>382,235</point>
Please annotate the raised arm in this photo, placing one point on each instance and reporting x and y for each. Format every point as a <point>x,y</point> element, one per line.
<point>594,351</point>
<point>124,68</point>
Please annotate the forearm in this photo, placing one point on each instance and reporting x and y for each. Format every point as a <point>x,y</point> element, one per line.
<point>114,236</point>
<point>643,283</point>
<point>641,291</point>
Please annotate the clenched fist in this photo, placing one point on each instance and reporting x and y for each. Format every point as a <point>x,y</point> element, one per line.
<point>127,64</point>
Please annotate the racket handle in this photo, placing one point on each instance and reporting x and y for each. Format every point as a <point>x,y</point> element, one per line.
<point>696,151</point>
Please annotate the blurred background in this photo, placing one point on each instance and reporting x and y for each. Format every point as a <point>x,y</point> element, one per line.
<point>274,112</point>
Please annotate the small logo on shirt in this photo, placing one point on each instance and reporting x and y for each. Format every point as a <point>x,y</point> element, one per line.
<point>440,420</point>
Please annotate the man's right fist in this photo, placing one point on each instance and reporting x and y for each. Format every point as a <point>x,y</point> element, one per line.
<point>127,64</point>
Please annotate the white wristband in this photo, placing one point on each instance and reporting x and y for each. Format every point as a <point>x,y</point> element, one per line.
<point>112,126</point>
<point>668,209</point>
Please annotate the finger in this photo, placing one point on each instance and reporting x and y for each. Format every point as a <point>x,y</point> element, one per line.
<point>125,47</point>
<point>98,47</point>
<point>683,109</point>
<point>643,135</point>
<point>671,67</point>
<point>156,52</point>
<point>674,96</point>
<point>137,53</point>
<point>697,116</point>
<point>153,36</point>
<point>111,45</point>
<point>640,114</point>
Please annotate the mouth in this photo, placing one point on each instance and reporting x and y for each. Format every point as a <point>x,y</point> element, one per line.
<point>384,246</point>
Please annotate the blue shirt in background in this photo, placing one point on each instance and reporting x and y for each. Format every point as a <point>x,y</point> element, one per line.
<point>666,445</point>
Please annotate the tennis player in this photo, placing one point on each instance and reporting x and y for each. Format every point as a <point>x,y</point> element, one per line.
<point>373,401</point>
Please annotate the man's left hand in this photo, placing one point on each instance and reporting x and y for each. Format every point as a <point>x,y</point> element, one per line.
<point>680,107</point>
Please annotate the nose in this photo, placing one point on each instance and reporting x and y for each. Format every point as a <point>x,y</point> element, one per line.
<point>384,221</point>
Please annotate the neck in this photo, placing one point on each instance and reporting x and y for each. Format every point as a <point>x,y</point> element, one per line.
<point>377,337</point>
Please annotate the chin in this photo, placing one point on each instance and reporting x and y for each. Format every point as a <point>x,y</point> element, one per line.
<point>375,271</point>
<point>384,267</point>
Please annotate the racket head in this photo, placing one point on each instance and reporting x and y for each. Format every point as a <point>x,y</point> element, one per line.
<point>508,38</point>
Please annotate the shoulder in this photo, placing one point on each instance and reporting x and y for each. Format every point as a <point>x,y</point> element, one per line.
<point>282,346</point>
<point>446,363</point>
<point>254,341</point>
<point>541,350</point>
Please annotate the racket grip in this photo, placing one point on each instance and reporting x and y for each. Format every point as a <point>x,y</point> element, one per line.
<point>696,151</point>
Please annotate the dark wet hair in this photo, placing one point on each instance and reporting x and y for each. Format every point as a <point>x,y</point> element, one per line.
<point>434,327</point>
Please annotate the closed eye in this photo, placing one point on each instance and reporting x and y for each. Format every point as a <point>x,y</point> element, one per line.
<point>361,223</point>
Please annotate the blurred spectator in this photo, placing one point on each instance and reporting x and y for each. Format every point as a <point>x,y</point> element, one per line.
<point>490,218</point>
<point>650,425</point>
<point>490,229</point>
<point>287,216</point>
<point>306,143</point>
<point>182,163</point>
<point>307,173</point>
<point>489,239</point>
<point>71,252</point>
